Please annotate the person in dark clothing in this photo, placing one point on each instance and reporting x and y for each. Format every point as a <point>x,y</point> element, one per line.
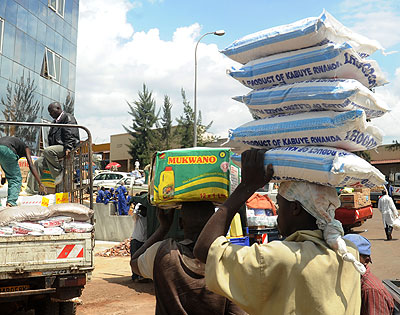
<point>61,141</point>
<point>178,276</point>
<point>11,150</point>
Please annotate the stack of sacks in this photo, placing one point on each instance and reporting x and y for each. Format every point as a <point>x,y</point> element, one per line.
<point>313,99</point>
<point>39,220</point>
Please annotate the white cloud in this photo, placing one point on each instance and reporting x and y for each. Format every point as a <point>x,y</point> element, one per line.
<point>114,62</point>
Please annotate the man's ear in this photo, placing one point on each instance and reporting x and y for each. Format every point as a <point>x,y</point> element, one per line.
<point>296,208</point>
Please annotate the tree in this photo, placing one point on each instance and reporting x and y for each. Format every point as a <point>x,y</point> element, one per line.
<point>144,118</point>
<point>364,155</point>
<point>68,105</point>
<point>394,146</point>
<point>166,124</point>
<point>185,126</point>
<point>20,106</point>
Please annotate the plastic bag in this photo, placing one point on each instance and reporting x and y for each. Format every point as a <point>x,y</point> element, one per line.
<point>77,227</point>
<point>345,130</point>
<point>321,165</point>
<point>323,62</point>
<point>314,95</point>
<point>307,32</point>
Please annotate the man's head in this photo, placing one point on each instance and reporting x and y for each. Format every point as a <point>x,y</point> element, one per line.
<point>363,246</point>
<point>55,109</point>
<point>194,216</point>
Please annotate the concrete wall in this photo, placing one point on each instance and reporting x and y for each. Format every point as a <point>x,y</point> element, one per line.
<point>111,227</point>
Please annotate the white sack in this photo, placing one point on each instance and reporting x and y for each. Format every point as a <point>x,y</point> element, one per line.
<point>6,231</point>
<point>23,213</point>
<point>27,228</point>
<point>321,165</point>
<point>54,221</point>
<point>308,32</point>
<point>53,231</point>
<point>77,227</point>
<point>345,130</point>
<point>314,95</point>
<point>36,200</point>
<point>322,62</point>
<point>74,210</point>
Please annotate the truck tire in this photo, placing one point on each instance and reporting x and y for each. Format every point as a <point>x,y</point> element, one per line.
<point>47,308</point>
<point>67,308</point>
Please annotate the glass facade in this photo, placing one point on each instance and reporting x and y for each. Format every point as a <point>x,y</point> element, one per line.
<point>38,41</point>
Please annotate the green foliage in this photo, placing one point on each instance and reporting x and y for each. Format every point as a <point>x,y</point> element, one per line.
<point>185,128</point>
<point>144,117</point>
<point>68,105</point>
<point>166,124</point>
<point>394,146</point>
<point>364,154</point>
<point>20,106</point>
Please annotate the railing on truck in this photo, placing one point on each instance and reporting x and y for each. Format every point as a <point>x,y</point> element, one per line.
<point>79,162</point>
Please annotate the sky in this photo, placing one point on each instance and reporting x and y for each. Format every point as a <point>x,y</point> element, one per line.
<point>124,44</point>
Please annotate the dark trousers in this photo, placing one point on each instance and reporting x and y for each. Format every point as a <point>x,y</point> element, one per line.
<point>135,245</point>
<point>388,230</point>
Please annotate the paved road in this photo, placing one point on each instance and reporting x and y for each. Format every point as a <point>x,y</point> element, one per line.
<point>111,290</point>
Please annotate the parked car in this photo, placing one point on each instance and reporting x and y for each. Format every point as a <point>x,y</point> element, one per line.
<point>109,179</point>
<point>133,186</point>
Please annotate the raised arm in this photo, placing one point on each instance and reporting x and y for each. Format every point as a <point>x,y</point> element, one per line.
<point>253,177</point>
<point>33,170</point>
<point>165,217</point>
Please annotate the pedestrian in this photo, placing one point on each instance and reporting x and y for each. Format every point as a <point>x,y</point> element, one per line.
<point>389,213</point>
<point>178,276</point>
<point>312,271</point>
<point>375,298</point>
<point>122,205</point>
<point>137,165</point>
<point>11,150</point>
<point>102,196</point>
<point>61,141</point>
<point>139,234</point>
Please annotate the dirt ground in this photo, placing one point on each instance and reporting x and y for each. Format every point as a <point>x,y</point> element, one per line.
<point>111,290</point>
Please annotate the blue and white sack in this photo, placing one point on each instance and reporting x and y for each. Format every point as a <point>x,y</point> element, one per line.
<point>345,130</point>
<point>321,165</point>
<point>305,33</point>
<point>314,95</point>
<point>321,62</point>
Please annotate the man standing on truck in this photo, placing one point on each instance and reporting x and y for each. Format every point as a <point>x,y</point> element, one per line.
<point>61,141</point>
<point>389,213</point>
<point>312,271</point>
<point>375,299</point>
<point>178,276</point>
<point>11,150</point>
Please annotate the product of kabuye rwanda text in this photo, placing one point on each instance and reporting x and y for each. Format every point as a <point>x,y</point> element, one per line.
<point>321,165</point>
<point>193,174</point>
<point>309,32</point>
<point>314,95</point>
<point>345,130</point>
<point>320,62</point>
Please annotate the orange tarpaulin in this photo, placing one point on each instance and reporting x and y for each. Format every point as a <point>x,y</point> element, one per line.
<point>257,201</point>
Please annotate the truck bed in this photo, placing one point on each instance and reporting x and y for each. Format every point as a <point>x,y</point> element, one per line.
<point>32,256</point>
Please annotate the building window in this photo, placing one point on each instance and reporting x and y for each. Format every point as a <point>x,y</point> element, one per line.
<point>1,34</point>
<point>51,67</point>
<point>57,6</point>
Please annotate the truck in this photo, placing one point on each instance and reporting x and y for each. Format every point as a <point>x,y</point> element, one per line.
<point>396,189</point>
<point>47,273</point>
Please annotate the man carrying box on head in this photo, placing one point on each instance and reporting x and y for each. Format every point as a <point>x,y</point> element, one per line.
<point>11,150</point>
<point>311,272</point>
<point>178,276</point>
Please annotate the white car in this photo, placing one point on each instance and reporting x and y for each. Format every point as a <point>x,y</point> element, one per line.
<point>108,179</point>
<point>271,190</point>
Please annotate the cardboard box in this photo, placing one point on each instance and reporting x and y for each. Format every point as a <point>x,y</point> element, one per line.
<point>354,200</point>
<point>200,174</point>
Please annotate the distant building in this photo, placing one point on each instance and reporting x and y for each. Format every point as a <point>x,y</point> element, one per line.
<point>38,41</point>
<point>387,161</point>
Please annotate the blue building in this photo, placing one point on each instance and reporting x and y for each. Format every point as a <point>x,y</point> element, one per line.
<point>38,41</point>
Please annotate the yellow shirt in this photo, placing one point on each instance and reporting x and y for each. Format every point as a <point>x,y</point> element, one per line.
<point>300,275</point>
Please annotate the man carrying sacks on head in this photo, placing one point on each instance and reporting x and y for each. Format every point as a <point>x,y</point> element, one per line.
<point>313,271</point>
